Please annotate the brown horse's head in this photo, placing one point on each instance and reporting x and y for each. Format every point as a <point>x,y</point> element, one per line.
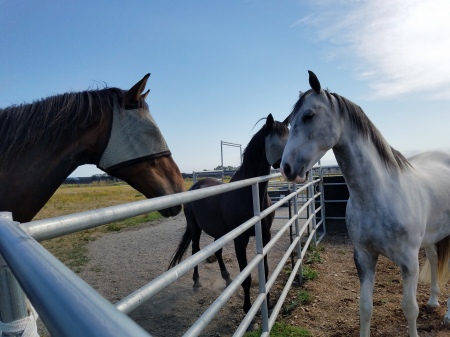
<point>137,152</point>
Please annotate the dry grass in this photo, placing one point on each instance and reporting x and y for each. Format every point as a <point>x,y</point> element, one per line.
<point>77,198</point>
<point>72,249</point>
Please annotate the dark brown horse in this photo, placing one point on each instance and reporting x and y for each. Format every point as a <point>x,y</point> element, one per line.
<point>218,215</point>
<point>43,142</point>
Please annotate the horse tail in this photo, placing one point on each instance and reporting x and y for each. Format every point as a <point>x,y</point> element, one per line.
<point>443,251</point>
<point>182,247</point>
<point>425,273</point>
<point>187,237</point>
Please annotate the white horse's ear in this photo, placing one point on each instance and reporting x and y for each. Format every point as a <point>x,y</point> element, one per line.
<point>314,82</point>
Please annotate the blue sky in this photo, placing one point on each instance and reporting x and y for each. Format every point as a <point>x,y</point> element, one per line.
<point>219,66</point>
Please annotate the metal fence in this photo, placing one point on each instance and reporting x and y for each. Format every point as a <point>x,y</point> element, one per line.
<point>70,307</point>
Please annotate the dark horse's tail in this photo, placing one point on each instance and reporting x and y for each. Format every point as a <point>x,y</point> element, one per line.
<point>187,238</point>
<point>182,247</point>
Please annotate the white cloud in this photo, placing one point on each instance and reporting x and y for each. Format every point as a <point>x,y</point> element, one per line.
<point>401,46</point>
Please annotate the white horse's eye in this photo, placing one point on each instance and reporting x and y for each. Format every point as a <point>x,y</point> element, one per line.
<point>309,116</point>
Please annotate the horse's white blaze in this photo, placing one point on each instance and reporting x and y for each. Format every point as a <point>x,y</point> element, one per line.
<point>395,206</point>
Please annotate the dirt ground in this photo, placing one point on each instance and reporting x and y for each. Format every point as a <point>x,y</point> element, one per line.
<point>124,261</point>
<point>334,310</point>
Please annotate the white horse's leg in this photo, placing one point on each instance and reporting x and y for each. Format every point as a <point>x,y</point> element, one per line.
<point>447,314</point>
<point>365,265</point>
<point>410,275</point>
<point>432,257</point>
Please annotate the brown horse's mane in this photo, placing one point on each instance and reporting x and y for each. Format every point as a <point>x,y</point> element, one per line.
<point>391,157</point>
<point>52,120</point>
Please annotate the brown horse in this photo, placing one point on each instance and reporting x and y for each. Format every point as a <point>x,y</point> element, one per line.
<point>43,142</point>
<point>219,214</point>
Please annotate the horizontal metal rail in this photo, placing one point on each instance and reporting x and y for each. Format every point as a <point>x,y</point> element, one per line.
<point>147,291</point>
<point>70,291</point>
<point>150,289</point>
<point>214,308</point>
<point>67,224</point>
<point>67,305</point>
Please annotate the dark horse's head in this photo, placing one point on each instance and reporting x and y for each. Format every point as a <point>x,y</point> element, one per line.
<point>271,139</point>
<point>276,135</point>
<point>264,150</point>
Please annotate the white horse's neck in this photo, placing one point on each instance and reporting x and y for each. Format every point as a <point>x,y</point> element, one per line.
<point>367,174</point>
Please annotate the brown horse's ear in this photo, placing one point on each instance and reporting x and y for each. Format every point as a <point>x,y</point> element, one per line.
<point>133,95</point>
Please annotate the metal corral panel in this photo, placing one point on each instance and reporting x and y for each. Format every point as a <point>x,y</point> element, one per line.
<point>335,197</point>
<point>278,194</point>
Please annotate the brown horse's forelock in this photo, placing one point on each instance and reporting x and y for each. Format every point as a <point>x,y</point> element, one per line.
<point>53,120</point>
<point>360,122</point>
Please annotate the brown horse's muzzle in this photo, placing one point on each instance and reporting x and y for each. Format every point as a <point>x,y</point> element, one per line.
<point>172,211</point>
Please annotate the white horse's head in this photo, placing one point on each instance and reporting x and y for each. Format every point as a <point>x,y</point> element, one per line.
<point>315,129</point>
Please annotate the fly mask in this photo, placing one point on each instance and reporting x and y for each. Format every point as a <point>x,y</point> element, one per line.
<point>134,137</point>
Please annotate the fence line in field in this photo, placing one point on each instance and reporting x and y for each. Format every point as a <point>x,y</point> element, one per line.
<point>55,291</point>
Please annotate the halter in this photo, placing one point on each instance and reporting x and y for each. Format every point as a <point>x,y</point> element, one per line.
<point>134,137</point>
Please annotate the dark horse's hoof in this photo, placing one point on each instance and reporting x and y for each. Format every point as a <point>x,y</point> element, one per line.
<point>228,281</point>
<point>253,327</point>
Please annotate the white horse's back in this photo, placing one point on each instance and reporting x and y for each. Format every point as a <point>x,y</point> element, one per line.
<point>430,160</point>
<point>432,171</point>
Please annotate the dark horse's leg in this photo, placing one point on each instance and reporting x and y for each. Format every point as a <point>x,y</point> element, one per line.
<point>196,231</point>
<point>223,268</point>
<point>240,246</point>
<point>266,236</point>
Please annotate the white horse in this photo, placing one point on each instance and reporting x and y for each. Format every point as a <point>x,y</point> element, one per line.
<point>396,205</point>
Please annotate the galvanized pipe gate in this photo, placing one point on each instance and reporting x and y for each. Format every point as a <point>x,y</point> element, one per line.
<point>70,307</point>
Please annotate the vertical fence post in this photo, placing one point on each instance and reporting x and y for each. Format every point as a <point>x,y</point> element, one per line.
<point>307,208</point>
<point>259,250</point>
<point>322,200</point>
<point>297,234</point>
<point>12,298</point>
<point>290,227</point>
<point>312,207</point>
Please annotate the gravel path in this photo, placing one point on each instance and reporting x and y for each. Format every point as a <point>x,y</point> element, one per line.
<point>125,261</point>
